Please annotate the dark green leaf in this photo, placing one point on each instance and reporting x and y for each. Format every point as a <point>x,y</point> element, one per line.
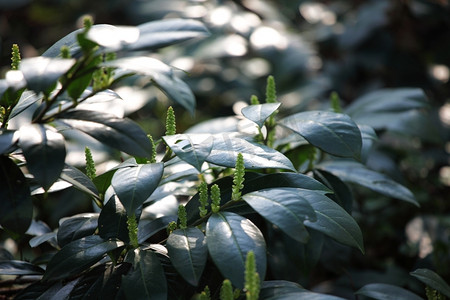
<point>383,291</point>
<point>112,222</point>
<point>229,238</point>
<point>17,267</point>
<point>161,75</point>
<point>16,207</point>
<point>122,134</point>
<point>256,156</point>
<point>44,151</point>
<point>254,182</point>
<point>259,113</point>
<point>42,72</point>
<point>75,228</point>
<point>342,194</point>
<point>103,181</point>
<point>334,133</point>
<point>433,280</point>
<point>46,237</point>
<point>146,280</point>
<point>153,227</point>
<point>188,253</point>
<point>27,99</point>
<point>113,38</point>
<point>135,184</point>
<point>334,221</point>
<point>79,180</point>
<point>8,140</point>
<point>284,207</point>
<point>70,41</point>
<point>78,256</point>
<point>192,149</point>
<point>357,173</point>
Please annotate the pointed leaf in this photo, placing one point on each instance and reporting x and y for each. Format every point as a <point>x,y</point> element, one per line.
<point>260,112</point>
<point>332,132</point>
<point>193,149</point>
<point>78,256</point>
<point>254,182</point>
<point>42,72</point>
<point>153,227</point>
<point>44,151</point>
<point>79,180</point>
<point>147,279</point>
<point>433,280</point>
<point>135,184</point>
<point>16,206</point>
<point>161,75</point>
<point>113,38</point>
<point>383,291</point>
<point>18,267</point>
<point>357,173</point>
<point>112,222</point>
<point>256,156</point>
<point>8,139</point>
<point>284,207</point>
<point>229,238</point>
<point>75,228</point>
<point>188,253</point>
<point>27,99</point>
<point>334,221</point>
<point>122,134</point>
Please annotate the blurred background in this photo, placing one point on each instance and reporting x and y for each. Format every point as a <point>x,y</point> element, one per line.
<point>312,48</point>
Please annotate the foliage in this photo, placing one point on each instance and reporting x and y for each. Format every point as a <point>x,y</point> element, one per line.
<point>266,196</point>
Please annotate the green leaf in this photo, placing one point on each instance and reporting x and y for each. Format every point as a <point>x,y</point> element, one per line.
<point>188,253</point>
<point>79,180</point>
<point>193,149</point>
<point>44,151</point>
<point>147,279</point>
<point>42,72</point>
<point>112,222</point>
<point>255,182</point>
<point>103,181</point>
<point>78,256</point>
<point>161,75</point>
<point>334,221</point>
<point>16,207</point>
<point>229,238</point>
<point>334,133</point>
<point>357,173</point>
<point>256,156</point>
<point>433,280</point>
<point>383,291</point>
<point>75,228</point>
<point>27,99</point>
<point>342,194</point>
<point>153,227</point>
<point>17,267</point>
<point>260,112</point>
<point>8,140</point>
<point>134,185</point>
<point>284,207</point>
<point>122,134</point>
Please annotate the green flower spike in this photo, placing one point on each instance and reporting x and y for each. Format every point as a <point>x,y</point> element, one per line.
<point>271,92</point>
<point>15,57</point>
<point>238,180</point>
<point>215,198</point>
<point>252,282</point>
<point>133,231</point>
<point>170,122</point>
<point>226,291</point>
<point>90,165</point>
<point>203,199</point>
<point>182,216</point>
<point>254,100</point>
<point>152,142</point>
<point>335,102</point>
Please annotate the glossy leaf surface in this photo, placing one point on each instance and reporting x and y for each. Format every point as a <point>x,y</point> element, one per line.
<point>45,152</point>
<point>260,112</point>
<point>75,228</point>
<point>135,184</point>
<point>188,253</point>
<point>383,291</point>
<point>79,180</point>
<point>334,133</point>
<point>146,280</point>
<point>229,238</point>
<point>433,280</point>
<point>78,256</point>
<point>284,207</point>
<point>122,134</point>
<point>357,173</point>
<point>334,221</point>
<point>112,222</point>
<point>18,267</point>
